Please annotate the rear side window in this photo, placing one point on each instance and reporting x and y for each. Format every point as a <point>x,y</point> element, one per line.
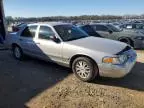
<point>101,28</point>
<point>29,31</point>
<point>45,32</point>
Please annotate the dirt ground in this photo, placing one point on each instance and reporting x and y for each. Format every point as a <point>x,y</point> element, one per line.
<point>36,84</point>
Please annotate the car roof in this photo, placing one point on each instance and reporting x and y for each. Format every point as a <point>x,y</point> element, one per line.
<point>50,23</point>
<point>100,24</point>
<point>134,23</point>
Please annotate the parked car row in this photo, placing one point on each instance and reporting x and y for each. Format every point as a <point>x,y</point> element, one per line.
<point>70,46</point>
<point>133,38</point>
<point>138,27</point>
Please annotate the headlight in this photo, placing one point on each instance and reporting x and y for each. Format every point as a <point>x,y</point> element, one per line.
<point>115,60</point>
<point>123,58</point>
<point>140,38</point>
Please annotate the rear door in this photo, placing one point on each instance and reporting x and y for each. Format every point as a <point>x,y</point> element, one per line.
<point>27,40</point>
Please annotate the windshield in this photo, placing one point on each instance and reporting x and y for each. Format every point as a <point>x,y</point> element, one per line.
<point>70,32</point>
<point>113,28</point>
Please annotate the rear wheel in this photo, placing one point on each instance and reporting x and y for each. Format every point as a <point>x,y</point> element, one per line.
<point>84,69</point>
<point>17,52</point>
<point>127,41</point>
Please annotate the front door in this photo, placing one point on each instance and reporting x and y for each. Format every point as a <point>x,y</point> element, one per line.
<point>50,50</point>
<point>105,32</point>
<point>102,30</point>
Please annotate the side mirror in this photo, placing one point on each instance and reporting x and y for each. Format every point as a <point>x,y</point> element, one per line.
<point>110,31</point>
<point>55,39</point>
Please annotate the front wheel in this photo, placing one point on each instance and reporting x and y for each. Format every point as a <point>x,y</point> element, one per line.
<point>127,41</point>
<point>85,69</point>
<point>17,53</point>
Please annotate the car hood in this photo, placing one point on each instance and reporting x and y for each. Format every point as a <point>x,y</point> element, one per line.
<point>131,33</point>
<point>99,44</point>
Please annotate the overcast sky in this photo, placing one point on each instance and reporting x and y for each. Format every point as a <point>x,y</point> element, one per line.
<point>37,8</point>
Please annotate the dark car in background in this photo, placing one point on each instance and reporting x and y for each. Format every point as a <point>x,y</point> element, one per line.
<point>135,39</point>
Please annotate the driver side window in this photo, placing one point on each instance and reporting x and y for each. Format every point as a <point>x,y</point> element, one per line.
<point>45,32</point>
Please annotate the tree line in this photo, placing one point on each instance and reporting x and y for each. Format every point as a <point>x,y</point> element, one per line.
<point>10,19</point>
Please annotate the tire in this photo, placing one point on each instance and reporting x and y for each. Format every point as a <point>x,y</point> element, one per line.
<point>79,67</point>
<point>17,52</point>
<point>127,41</point>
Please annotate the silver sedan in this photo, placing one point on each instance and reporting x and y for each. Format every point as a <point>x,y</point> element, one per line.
<point>69,46</point>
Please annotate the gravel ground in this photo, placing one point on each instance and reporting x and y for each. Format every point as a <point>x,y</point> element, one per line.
<point>36,84</point>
